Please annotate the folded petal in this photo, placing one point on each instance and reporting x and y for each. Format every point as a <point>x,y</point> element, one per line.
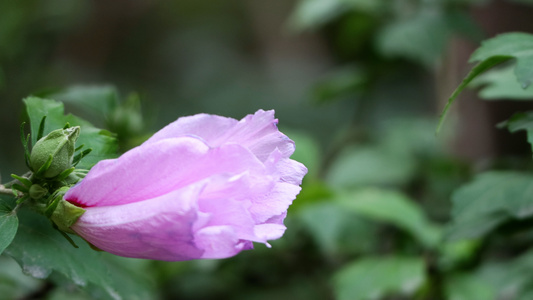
<point>158,168</point>
<point>275,202</point>
<point>287,169</point>
<point>158,228</point>
<point>226,201</point>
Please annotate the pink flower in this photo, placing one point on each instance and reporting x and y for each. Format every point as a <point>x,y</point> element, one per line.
<point>204,186</point>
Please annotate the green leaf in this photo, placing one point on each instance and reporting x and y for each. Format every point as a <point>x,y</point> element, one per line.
<point>513,45</point>
<point>410,136</point>
<point>100,100</point>
<point>307,151</point>
<point>360,166</point>
<point>310,14</point>
<point>501,84</point>
<point>510,279</point>
<point>13,283</point>
<point>421,38</point>
<point>103,143</point>
<point>336,229</point>
<point>40,250</point>
<point>8,227</point>
<point>376,277</point>
<point>468,287</point>
<point>490,200</point>
<point>521,121</point>
<point>23,180</point>
<point>395,208</point>
<point>314,191</point>
<point>454,254</point>
<point>131,277</point>
<point>477,70</point>
<point>495,51</point>
<point>341,84</point>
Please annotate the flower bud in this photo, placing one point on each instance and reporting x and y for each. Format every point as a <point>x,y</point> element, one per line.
<point>58,144</point>
<point>203,187</point>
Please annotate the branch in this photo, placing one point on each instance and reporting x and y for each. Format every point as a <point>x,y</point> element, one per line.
<point>5,191</point>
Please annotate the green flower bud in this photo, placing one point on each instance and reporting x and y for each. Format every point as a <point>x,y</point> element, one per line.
<point>37,191</point>
<point>59,146</point>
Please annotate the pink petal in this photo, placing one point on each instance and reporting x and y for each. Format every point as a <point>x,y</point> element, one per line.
<point>219,242</point>
<point>274,202</point>
<point>226,201</point>
<point>257,132</point>
<point>270,231</point>
<point>287,169</point>
<point>207,127</point>
<point>158,168</point>
<point>158,228</point>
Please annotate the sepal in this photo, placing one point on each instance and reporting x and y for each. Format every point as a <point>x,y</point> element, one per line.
<point>63,213</point>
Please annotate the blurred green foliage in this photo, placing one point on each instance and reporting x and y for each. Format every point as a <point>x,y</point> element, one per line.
<point>385,211</point>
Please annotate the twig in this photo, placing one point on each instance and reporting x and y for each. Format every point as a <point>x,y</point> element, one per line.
<point>6,191</point>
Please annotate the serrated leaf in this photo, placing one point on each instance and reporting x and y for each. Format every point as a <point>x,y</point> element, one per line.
<point>103,143</point>
<point>41,250</point>
<point>501,84</point>
<point>488,201</point>
<point>513,45</point>
<point>8,227</point>
<point>477,70</point>
<point>394,208</point>
<point>130,277</point>
<point>495,51</point>
<point>375,277</point>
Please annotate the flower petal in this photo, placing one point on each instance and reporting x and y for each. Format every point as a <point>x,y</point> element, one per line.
<point>208,127</point>
<point>219,242</point>
<point>227,201</point>
<point>275,202</point>
<point>158,168</point>
<point>270,231</point>
<point>159,228</point>
<point>257,132</point>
